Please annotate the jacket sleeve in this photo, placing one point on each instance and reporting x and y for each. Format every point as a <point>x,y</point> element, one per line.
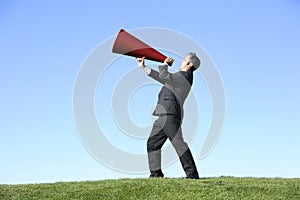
<point>168,77</point>
<point>155,75</point>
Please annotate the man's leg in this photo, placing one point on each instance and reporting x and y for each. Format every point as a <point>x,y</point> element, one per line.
<point>154,144</point>
<point>172,128</point>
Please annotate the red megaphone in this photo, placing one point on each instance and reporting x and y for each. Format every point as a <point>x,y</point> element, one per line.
<point>129,45</point>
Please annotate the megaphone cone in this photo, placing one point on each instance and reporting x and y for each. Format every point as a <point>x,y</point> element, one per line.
<point>127,44</point>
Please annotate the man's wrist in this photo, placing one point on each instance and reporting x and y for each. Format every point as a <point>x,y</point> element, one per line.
<point>147,70</point>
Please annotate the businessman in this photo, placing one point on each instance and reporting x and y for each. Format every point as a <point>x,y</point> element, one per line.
<point>169,109</point>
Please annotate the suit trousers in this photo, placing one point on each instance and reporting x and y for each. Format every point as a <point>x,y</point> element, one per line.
<point>169,127</point>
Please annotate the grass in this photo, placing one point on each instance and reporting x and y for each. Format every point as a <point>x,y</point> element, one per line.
<point>159,188</point>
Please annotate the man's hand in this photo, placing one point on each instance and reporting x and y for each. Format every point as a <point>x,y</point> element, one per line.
<point>169,61</point>
<point>141,62</point>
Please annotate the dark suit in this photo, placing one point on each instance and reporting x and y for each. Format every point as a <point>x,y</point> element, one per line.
<point>169,108</point>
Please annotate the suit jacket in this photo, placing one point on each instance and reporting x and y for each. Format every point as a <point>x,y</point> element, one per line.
<point>174,92</point>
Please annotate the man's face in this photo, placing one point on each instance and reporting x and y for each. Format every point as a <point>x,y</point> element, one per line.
<point>184,63</point>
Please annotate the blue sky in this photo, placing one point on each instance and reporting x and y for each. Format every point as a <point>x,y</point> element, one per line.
<point>254,44</point>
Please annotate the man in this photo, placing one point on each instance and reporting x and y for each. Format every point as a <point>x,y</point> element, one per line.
<point>169,110</point>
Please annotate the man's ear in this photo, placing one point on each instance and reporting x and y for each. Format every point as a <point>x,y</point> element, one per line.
<point>190,65</point>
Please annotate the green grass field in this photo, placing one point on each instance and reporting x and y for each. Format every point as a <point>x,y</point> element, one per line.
<point>159,188</point>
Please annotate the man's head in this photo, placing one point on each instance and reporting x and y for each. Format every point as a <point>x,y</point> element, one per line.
<point>190,62</point>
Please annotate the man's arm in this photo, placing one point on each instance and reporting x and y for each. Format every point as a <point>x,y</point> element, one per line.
<point>150,72</point>
<point>167,77</point>
<point>155,75</point>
